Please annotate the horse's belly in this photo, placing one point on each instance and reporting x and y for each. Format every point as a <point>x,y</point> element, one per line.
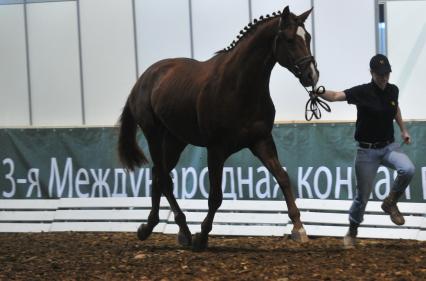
<point>184,126</point>
<point>190,137</point>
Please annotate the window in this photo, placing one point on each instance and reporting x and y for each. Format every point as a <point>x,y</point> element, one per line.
<point>382,30</point>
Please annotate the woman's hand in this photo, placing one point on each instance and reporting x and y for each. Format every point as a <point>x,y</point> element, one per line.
<point>406,137</point>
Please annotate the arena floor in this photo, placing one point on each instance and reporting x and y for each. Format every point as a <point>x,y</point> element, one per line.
<point>120,256</point>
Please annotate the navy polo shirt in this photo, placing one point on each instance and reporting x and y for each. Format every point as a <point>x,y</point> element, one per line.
<point>376,110</point>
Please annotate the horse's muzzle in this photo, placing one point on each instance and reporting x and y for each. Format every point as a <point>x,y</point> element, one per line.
<point>309,77</point>
<point>306,70</point>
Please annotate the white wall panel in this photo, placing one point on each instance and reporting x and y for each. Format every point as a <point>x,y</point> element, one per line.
<point>216,23</point>
<point>406,31</point>
<point>54,65</point>
<point>345,42</point>
<point>163,30</point>
<point>108,52</point>
<point>14,108</point>
<point>288,94</point>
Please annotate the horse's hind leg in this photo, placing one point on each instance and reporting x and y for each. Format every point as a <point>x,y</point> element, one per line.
<point>216,159</point>
<point>145,230</point>
<point>165,151</point>
<point>172,148</point>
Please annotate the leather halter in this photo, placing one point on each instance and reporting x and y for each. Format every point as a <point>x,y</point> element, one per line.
<point>297,67</point>
<point>301,65</point>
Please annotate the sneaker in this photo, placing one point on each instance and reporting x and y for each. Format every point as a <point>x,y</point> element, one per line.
<point>349,241</point>
<point>390,208</point>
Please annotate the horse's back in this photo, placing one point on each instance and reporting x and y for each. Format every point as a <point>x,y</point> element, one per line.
<point>171,64</point>
<point>167,74</point>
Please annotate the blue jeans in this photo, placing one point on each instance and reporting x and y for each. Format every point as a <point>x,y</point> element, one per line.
<point>367,163</point>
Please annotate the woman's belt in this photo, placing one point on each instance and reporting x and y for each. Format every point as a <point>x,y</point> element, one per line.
<point>373,145</point>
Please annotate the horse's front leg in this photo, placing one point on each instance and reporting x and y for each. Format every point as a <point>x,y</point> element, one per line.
<point>266,151</point>
<point>216,159</point>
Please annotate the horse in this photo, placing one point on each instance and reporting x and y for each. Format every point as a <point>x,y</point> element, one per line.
<point>223,104</point>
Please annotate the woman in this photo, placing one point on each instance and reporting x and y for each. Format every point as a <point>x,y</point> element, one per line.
<point>377,107</point>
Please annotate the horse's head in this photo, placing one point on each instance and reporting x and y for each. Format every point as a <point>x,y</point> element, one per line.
<point>292,49</point>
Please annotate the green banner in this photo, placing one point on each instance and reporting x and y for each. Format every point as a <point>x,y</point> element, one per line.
<point>82,162</point>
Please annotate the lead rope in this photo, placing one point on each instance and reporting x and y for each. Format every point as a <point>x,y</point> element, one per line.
<point>313,102</point>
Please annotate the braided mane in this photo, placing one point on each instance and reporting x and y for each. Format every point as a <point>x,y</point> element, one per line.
<point>247,29</point>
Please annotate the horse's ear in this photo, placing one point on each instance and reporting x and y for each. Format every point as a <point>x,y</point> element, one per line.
<point>285,17</point>
<point>286,13</point>
<point>304,16</point>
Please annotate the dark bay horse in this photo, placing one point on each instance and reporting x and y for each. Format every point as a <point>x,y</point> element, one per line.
<point>222,104</point>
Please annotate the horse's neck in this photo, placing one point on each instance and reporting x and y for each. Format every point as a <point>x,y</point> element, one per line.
<point>253,59</point>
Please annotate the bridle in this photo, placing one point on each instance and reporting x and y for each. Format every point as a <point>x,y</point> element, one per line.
<point>301,64</point>
<point>297,67</point>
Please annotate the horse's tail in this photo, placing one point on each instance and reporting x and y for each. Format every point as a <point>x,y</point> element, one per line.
<point>131,156</point>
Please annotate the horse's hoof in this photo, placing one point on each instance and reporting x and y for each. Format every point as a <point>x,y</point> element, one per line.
<point>184,238</point>
<point>299,235</point>
<point>144,232</point>
<point>199,243</point>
